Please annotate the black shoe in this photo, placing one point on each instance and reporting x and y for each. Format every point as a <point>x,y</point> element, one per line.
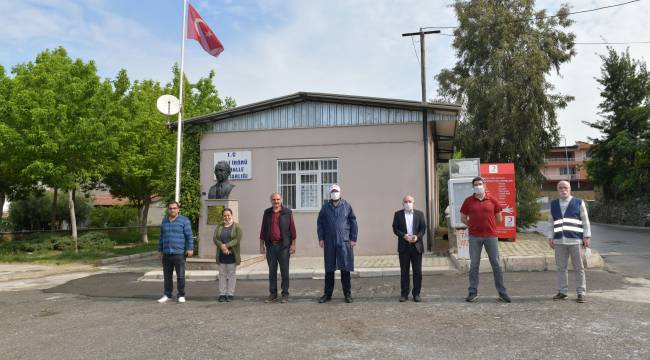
<point>348,298</point>
<point>222,298</point>
<point>471,297</point>
<point>503,297</point>
<point>560,296</point>
<point>271,299</point>
<point>581,298</point>
<point>231,298</point>
<point>417,298</point>
<point>324,299</point>
<point>402,298</point>
<point>285,299</point>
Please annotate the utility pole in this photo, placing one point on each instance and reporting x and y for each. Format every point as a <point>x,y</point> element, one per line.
<point>425,127</point>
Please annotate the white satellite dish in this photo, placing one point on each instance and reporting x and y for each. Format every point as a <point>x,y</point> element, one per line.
<point>168,105</point>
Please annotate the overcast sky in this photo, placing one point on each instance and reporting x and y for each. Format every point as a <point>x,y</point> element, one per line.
<point>278,47</point>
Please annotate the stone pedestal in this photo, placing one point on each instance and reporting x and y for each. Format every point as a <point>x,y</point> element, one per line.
<point>211,215</point>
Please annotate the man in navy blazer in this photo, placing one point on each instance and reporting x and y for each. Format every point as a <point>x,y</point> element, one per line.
<point>410,227</point>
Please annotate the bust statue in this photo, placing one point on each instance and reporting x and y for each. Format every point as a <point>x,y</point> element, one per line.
<point>222,189</point>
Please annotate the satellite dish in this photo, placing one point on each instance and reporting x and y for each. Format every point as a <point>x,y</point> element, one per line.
<point>168,105</point>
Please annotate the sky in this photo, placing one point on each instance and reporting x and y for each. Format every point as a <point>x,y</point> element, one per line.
<point>279,47</point>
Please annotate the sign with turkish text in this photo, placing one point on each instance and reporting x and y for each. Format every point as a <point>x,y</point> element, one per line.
<point>500,184</point>
<point>240,163</point>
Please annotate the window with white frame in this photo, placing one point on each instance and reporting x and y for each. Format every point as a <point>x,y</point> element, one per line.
<point>304,183</point>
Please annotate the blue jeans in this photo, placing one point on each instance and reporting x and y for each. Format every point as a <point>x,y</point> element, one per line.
<point>476,244</point>
<point>171,262</point>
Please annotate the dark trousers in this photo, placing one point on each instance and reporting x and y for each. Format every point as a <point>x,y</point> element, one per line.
<point>278,254</point>
<point>407,258</point>
<point>171,262</point>
<point>345,283</point>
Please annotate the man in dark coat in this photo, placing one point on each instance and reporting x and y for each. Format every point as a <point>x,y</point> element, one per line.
<point>337,235</point>
<point>409,226</point>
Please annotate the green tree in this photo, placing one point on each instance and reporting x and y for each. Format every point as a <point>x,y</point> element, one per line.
<point>147,151</point>
<point>64,113</point>
<point>620,160</point>
<point>506,51</point>
<point>198,99</point>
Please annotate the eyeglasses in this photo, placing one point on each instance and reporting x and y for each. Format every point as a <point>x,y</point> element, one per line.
<point>172,208</point>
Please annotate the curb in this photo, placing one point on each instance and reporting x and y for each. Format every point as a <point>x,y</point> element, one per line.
<point>117,259</point>
<point>627,227</point>
<point>525,263</point>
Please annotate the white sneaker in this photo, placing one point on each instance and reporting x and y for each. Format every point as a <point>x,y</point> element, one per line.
<point>181,299</point>
<point>163,299</point>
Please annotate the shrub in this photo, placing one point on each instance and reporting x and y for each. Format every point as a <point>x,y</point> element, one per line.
<point>34,212</point>
<point>116,216</point>
<point>94,240</point>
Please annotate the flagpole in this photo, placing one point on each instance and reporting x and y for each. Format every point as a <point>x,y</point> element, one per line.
<point>179,128</point>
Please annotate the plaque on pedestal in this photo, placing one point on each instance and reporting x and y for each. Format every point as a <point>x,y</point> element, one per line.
<point>211,215</point>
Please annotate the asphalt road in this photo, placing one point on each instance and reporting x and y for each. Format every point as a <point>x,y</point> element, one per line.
<point>114,316</point>
<point>625,249</point>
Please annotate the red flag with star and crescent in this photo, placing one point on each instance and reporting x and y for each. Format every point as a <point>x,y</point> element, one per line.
<point>198,30</point>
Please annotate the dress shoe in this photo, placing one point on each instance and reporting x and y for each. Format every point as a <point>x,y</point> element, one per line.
<point>324,299</point>
<point>503,297</point>
<point>271,299</point>
<point>417,298</point>
<point>402,298</point>
<point>348,298</point>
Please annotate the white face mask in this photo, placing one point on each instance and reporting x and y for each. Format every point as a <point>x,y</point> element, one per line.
<point>408,206</point>
<point>479,189</point>
<point>335,195</point>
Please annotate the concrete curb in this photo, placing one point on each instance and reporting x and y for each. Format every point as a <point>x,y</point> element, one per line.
<point>117,259</point>
<point>525,263</point>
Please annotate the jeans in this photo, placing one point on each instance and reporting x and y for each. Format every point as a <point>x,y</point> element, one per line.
<point>407,258</point>
<point>476,244</point>
<point>171,262</point>
<point>227,279</point>
<point>278,254</point>
<point>345,283</point>
<point>562,253</point>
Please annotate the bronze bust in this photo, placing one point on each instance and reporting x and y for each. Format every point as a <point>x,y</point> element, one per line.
<point>222,189</point>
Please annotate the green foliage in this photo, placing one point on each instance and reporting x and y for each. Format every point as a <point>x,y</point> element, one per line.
<point>620,160</point>
<point>501,79</point>
<point>115,216</point>
<point>34,212</point>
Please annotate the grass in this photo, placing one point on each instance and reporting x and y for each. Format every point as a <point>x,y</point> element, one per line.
<point>10,253</point>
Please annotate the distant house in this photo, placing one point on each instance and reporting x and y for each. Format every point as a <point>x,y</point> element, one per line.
<point>567,163</point>
<point>103,198</point>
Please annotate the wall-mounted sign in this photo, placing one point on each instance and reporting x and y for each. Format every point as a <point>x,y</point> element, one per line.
<point>241,164</point>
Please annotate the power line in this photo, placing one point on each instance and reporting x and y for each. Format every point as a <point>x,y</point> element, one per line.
<point>545,17</point>
<point>613,43</point>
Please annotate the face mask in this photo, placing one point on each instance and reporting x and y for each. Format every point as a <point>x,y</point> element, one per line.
<point>408,206</point>
<point>335,195</point>
<point>479,190</point>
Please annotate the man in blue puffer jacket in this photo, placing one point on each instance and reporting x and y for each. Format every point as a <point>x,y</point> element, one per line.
<point>175,243</point>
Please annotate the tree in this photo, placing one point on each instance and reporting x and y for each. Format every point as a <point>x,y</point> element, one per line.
<point>198,99</point>
<point>64,114</point>
<point>146,159</point>
<point>620,160</point>
<point>506,50</point>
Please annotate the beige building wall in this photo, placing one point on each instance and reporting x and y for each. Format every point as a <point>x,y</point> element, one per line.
<point>378,165</point>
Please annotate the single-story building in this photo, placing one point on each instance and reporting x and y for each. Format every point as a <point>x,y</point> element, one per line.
<point>300,144</point>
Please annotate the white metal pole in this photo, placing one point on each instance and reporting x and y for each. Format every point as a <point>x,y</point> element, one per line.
<point>179,128</point>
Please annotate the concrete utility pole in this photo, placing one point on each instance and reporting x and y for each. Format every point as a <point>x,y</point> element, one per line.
<point>425,128</point>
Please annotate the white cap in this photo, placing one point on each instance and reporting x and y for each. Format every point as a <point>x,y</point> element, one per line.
<point>335,187</point>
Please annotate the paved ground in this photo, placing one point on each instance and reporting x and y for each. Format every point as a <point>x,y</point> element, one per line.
<point>113,316</point>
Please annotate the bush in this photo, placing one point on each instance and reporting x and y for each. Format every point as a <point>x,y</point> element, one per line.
<point>35,211</point>
<point>116,216</point>
<point>620,212</point>
<point>94,240</point>
<point>6,226</point>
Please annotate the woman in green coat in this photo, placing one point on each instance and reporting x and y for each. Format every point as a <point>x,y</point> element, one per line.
<point>227,236</point>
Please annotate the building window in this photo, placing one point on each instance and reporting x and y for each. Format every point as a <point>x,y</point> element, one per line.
<point>304,184</point>
<point>563,171</point>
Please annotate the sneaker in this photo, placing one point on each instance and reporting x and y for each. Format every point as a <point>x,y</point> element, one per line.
<point>163,299</point>
<point>271,299</point>
<point>560,296</point>
<point>230,298</point>
<point>503,297</point>
<point>222,298</point>
<point>403,299</point>
<point>181,299</point>
<point>417,298</point>
<point>324,299</point>
<point>581,298</point>
<point>471,297</point>
<point>348,298</point>
<point>285,299</point>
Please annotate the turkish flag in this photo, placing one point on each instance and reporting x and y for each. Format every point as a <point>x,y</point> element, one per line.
<point>198,30</point>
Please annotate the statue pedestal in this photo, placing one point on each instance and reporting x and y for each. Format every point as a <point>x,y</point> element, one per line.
<point>211,215</point>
